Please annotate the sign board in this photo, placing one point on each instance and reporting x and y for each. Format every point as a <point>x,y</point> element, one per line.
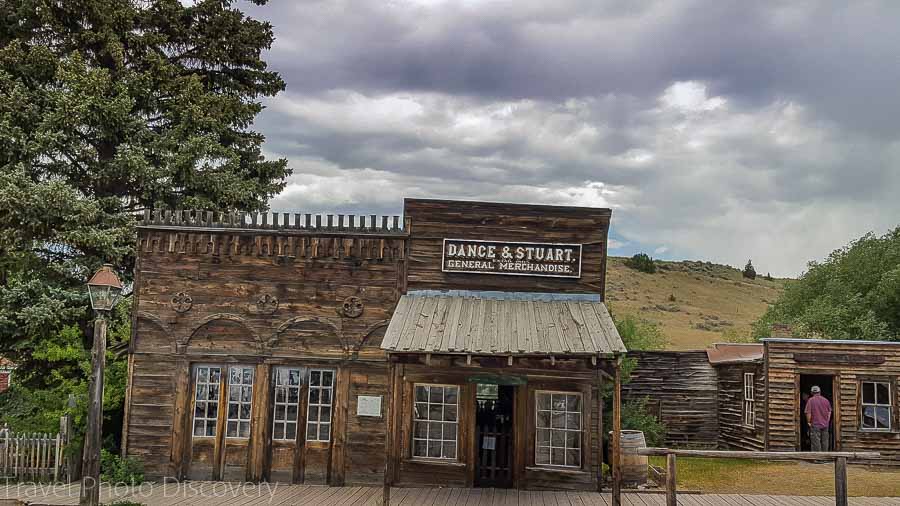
<point>368,405</point>
<point>512,258</point>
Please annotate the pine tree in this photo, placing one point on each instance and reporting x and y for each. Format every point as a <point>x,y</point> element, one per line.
<point>111,107</point>
<point>749,272</point>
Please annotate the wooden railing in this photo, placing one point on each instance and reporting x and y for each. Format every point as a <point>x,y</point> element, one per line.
<point>35,456</point>
<point>840,465</point>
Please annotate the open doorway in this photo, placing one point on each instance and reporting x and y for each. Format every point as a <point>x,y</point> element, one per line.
<point>494,435</point>
<point>826,383</point>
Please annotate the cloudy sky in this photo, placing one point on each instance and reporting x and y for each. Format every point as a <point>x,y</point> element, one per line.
<point>714,130</point>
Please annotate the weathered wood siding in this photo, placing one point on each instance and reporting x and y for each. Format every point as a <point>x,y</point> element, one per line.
<point>683,385</point>
<point>846,362</point>
<point>435,220</point>
<point>271,293</point>
<point>733,433</point>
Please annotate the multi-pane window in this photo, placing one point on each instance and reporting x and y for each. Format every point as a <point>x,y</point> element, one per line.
<point>558,429</point>
<point>749,400</point>
<point>876,405</point>
<point>321,397</point>
<point>435,420</point>
<point>240,402</point>
<point>287,401</point>
<point>206,400</point>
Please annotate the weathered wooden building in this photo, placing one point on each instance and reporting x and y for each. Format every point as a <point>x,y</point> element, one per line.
<point>860,378</point>
<point>681,391</point>
<point>755,395</point>
<point>741,395</point>
<point>464,345</point>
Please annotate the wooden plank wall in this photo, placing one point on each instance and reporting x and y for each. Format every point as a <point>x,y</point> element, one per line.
<point>733,434</point>
<point>262,297</point>
<point>434,220</point>
<point>683,384</point>
<point>784,371</point>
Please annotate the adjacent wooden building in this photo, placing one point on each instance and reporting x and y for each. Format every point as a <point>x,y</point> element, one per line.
<point>755,396</point>
<point>466,344</point>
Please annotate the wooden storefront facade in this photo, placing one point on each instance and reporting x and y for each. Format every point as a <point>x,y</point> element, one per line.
<point>465,345</point>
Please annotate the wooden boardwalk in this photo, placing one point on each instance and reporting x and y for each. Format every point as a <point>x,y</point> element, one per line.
<point>238,494</point>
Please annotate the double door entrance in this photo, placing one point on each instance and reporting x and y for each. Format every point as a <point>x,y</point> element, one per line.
<point>273,411</point>
<point>494,437</point>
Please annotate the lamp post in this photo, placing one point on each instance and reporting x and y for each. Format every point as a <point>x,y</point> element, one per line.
<point>105,290</point>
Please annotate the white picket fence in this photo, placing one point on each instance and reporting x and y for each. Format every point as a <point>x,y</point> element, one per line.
<point>35,456</point>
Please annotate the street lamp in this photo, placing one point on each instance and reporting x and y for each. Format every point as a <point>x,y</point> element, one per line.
<point>105,289</point>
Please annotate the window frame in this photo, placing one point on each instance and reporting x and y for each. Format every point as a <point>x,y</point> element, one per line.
<point>749,400</point>
<point>239,402</point>
<point>890,405</point>
<point>580,431</point>
<point>427,439</point>
<point>218,401</point>
<point>286,404</point>
<point>318,406</point>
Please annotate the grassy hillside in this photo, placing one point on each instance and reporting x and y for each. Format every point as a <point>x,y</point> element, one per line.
<point>694,303</point>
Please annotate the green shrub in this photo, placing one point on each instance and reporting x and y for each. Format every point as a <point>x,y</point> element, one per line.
<point>636,416</point>
<point>115,469</point>
<point>641,262</point>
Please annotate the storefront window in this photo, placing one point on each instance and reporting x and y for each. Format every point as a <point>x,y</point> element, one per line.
<point>558,429</point>
<point>240,402</point>
<point>287,403</point>
<point>321,398</point>
<point>206,400</point>
<point>435,421</point>
<point>876,405</point>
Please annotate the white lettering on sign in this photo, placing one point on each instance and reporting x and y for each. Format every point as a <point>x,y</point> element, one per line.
<point>368,405</point>
<point>512,258</point>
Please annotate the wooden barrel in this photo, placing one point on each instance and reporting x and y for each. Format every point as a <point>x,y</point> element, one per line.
<point>634,466</point>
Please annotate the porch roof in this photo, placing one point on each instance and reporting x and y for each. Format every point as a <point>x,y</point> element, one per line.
<point>502,323</point>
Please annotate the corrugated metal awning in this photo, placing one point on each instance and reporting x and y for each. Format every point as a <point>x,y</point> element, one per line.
<point>504,324</point>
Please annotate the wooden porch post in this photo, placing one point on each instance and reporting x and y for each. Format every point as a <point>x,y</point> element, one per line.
<point>599,431</point>
<point>617,434</point>
<point>391,423</point>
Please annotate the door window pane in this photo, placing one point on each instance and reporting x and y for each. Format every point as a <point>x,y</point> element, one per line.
<point>240,401</point>
<point>321,394</point>
<point>287,400</point>
<point>206,400</point>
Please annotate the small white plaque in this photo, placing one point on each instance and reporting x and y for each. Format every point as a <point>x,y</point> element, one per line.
<point>368,405</point>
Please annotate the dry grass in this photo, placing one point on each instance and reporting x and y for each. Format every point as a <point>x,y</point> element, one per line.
<point>709,300</point>
<point>739,476</point>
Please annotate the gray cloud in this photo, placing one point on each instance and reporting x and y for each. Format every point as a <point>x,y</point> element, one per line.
<point>716,130</point>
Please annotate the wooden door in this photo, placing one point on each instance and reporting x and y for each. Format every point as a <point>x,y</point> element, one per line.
<point>494,437</point>
<point>288,394</point>
<point>222,405</point>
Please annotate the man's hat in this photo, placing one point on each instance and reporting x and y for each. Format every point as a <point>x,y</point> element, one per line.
<point>815,390</point>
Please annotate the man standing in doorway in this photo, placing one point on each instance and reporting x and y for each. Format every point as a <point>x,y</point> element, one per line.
<point>818,416</point>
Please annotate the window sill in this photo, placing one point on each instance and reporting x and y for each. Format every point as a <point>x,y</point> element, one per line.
<point>563,470</point>
<point>877,431</point>
<point>435,462</point>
